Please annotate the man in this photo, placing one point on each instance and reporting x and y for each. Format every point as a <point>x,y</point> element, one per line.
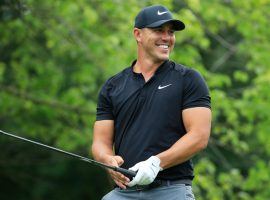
<point>153,116</point>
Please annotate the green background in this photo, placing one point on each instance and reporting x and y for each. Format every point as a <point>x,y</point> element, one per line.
<point>55,55</point>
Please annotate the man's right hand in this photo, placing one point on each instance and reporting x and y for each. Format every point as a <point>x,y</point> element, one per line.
<point>117,177</point>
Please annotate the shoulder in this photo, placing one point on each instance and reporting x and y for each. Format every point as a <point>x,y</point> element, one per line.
<point>117,78</point>
<point>185,71</point>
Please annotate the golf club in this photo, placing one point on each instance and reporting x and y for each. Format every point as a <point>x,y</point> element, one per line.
<point>129,173</point>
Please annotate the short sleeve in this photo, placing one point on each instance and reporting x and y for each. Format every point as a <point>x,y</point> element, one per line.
<point>196,93</point>
<point>104,105</point>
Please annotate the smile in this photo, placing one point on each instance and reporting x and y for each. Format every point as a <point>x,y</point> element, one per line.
<point>163,46</point>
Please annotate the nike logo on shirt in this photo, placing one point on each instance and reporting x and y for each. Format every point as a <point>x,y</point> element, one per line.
<point>162,87</point>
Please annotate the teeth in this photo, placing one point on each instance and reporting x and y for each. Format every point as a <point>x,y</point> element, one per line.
<point>163,46</point>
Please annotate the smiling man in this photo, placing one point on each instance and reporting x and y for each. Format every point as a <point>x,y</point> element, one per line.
<point>153,116</point>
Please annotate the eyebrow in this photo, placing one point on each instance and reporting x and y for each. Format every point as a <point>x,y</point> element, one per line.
<point>162,27</point>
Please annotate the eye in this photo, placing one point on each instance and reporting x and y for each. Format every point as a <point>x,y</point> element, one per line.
<point>171,32</point>
<point>158,30</point>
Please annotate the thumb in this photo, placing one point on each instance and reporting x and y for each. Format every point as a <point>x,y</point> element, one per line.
<point>135,167</point>
<point>138,176</point>
<point>119,160</point>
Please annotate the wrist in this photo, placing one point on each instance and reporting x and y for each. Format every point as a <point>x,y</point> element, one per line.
<point>156,162</point>
<point>105,158</point>
<point>162,164</point>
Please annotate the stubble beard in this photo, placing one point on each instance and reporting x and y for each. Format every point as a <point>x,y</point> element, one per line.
<point>156,54</point>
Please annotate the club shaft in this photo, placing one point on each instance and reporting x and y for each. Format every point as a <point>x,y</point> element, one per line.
<point>118,169</point>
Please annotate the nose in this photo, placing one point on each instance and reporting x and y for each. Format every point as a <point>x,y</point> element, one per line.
<point>166,35</point>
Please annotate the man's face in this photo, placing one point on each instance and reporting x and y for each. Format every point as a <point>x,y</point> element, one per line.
<point>157,43</point>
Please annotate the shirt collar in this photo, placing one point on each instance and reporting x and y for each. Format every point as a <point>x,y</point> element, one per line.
<point>160,69</point>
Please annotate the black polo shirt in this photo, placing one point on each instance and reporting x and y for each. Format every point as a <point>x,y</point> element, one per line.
<point>148,115</point>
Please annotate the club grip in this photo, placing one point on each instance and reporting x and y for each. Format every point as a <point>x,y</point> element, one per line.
<point>127,172</point>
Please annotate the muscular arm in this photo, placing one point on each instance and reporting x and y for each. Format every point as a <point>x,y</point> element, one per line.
<point>102,149</point>
<point>103,140</point>
<point>197,122</point>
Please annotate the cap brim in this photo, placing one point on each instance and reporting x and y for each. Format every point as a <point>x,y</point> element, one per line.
<point>177,24</point>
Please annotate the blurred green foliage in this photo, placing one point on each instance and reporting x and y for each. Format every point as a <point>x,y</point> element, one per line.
<point>55,55</point>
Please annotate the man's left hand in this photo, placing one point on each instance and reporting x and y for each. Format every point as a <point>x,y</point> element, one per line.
<point>147,171</point>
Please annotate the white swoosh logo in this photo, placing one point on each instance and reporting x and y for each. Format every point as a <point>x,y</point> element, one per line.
<point>161,13</point>
<point>161,87</point>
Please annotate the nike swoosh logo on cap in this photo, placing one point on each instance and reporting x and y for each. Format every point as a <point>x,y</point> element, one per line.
<point>161,87</point>
<point>161,13</point>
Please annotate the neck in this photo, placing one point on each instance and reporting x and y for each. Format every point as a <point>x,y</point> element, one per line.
<point>145,63</point>
<point>146,67</point>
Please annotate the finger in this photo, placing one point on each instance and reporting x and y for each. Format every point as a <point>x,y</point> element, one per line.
<point>118,176</point>
<point>119,160</point>
<point>112,161</point>
<point>136,179</point>
<point>124,181</point>
<point>131,183</point>
<point>121,177</point>
<point>120,184</point>
<point>135,167</point>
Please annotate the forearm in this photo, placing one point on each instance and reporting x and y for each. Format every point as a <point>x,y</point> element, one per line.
<point>102,146</point>
<point>186,147</point>
<point>101,151</point>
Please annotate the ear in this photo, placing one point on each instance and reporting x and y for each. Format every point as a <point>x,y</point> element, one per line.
<point>137,34</point>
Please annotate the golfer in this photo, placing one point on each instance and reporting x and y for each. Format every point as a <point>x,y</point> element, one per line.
<point>153,116</point>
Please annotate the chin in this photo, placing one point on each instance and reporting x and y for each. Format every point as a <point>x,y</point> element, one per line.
<point>160,60</point>
<point>160,57</point>
<point>164,57</point>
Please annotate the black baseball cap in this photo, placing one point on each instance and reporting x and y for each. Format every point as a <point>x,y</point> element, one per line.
<point>155,16</point>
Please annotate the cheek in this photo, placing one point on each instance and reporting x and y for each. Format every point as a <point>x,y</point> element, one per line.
<point>173,40</point>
